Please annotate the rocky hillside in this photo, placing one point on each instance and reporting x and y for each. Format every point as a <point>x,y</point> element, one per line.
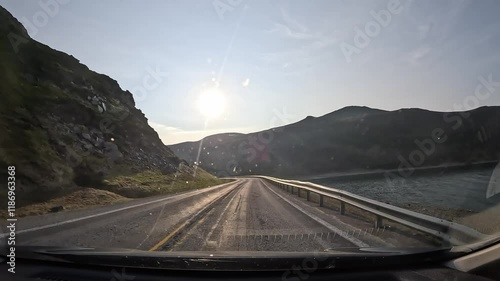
<point>65,126</point>
<point>353,139</point>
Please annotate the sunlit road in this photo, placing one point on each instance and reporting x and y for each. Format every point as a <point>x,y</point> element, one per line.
<point>245,215</point>
<point>254,218</point>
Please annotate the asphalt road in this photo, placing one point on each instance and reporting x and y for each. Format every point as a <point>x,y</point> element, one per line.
<point>244,215</point>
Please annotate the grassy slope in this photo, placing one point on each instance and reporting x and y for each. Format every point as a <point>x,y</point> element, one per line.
<point>122,188</point>
<point>84,198</point>
<point>149,183</point>
<point>34,85</point>
<point>24,143</point>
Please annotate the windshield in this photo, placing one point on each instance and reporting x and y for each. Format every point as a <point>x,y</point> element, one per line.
<point>249,126</point>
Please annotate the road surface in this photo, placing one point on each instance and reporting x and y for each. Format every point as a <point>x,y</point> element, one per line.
<point>245,215</point>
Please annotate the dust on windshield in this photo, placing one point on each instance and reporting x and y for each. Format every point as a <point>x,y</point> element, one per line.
<point>249,125</point>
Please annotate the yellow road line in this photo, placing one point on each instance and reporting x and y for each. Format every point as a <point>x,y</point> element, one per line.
<point>181,240</point>
<point>170,235</point>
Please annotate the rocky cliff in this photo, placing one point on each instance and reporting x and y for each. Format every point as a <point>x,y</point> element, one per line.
<point>65,126</point>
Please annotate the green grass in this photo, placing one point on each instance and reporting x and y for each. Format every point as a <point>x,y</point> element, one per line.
<point>32,82</point>
<point>78,199</point>
<point>149,183</point>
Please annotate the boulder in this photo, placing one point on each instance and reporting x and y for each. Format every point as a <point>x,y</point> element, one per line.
<point>56,209</point>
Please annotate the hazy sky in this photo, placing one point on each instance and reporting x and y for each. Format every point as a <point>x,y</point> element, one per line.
<point>277,61</point>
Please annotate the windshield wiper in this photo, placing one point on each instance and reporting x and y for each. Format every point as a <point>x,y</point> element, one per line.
<point>345,258</point>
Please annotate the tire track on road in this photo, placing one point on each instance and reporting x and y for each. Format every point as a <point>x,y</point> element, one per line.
<point>176,235</point>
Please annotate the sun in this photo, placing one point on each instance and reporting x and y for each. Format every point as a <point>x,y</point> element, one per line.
<point>212,103</point>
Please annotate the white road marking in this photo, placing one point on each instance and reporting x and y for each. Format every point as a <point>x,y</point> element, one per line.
<point>334,229</point>
<point>3,235</point>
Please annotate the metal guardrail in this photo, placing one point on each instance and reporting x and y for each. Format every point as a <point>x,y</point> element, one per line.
<point>453,233</point>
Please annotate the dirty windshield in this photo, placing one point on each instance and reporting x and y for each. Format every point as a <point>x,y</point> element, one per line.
<point>249,126</point>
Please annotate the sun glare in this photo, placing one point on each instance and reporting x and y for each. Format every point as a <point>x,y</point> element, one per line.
<point>211,103</point>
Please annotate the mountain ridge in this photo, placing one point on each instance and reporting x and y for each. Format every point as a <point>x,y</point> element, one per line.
<point>351,139</point>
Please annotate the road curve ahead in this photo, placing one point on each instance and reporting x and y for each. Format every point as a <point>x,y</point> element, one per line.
<point>245,215</point>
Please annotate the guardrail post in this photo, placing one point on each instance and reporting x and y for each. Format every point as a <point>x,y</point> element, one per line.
<point>433,226</point>
<point>308,194</point>
<point>342,207</point>
<point>378,222</point>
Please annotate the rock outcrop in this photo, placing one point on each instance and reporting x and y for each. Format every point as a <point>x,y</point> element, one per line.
<point>65,126</point>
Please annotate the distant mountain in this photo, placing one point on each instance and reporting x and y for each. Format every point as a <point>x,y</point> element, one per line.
<point>353,139</point>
